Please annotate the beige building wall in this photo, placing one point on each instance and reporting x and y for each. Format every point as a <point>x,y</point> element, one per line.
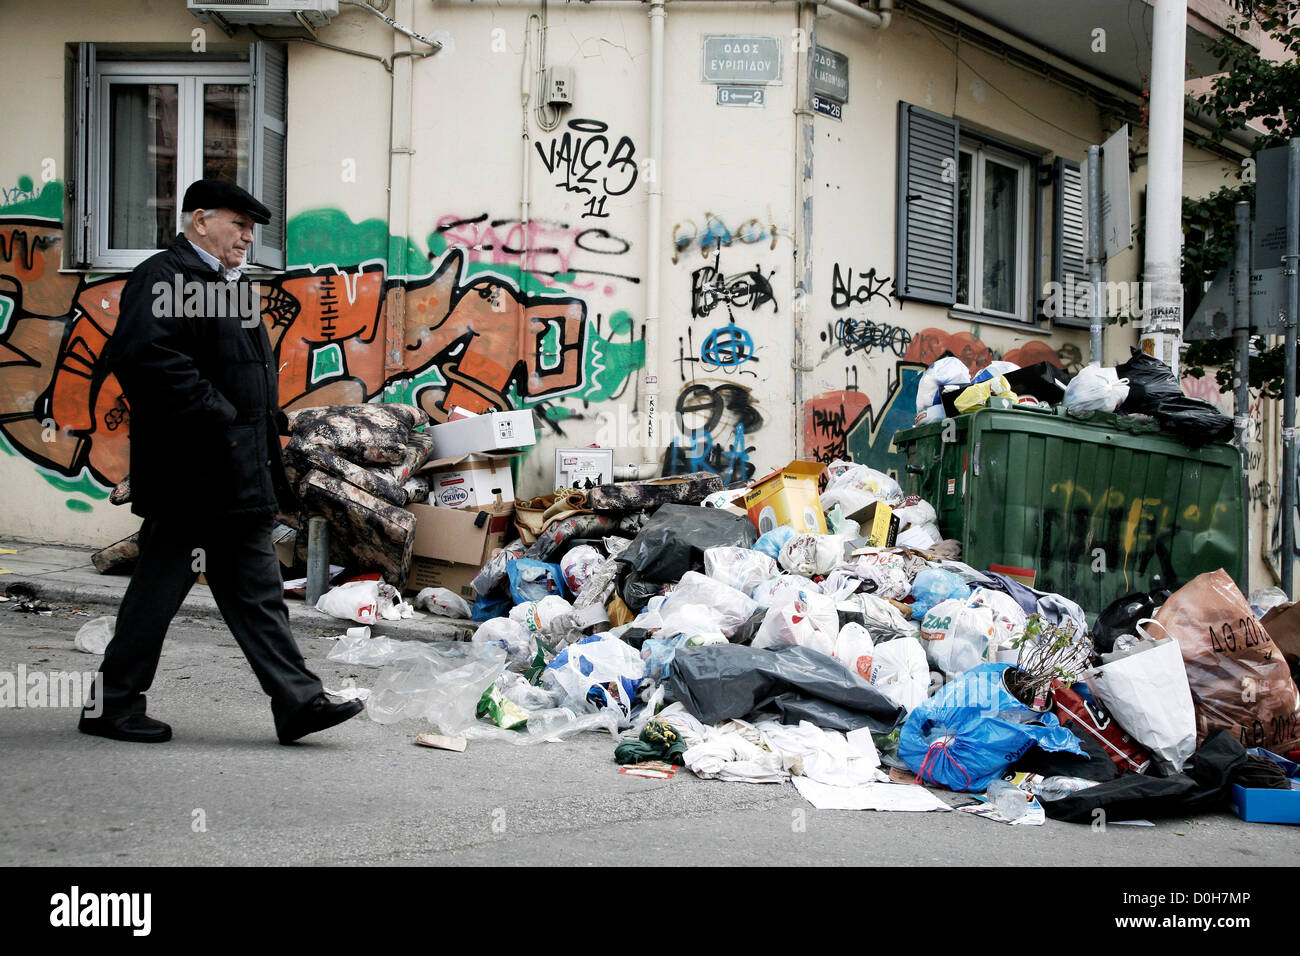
<point>724,373</point>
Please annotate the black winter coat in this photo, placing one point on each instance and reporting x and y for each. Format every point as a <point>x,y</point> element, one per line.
<point>202,390</point>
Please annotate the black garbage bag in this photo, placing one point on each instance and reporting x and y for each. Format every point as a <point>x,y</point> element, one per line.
<point>1044,381</point>
<point>1122,614</point>
<point>1153,390</point>
<point>720,681</point>
<point>1202,787</point>
<point>673,541</point>
<point>636,590</point>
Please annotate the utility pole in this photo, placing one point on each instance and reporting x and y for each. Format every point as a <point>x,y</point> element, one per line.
<point>1162,333</point>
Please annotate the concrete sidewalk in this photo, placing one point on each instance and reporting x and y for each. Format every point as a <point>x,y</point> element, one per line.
<point>65,575</point>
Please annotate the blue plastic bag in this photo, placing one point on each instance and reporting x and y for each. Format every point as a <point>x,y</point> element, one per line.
<point>772,542</point>
<point>600,669</point>
<point>532,580</point>
<point>973,729</point>
<point>488,606</point>
<point>932,586</point>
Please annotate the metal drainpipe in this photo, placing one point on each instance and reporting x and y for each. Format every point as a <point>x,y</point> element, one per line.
<point>652,432</point>
<point>803,209</point>
<point>399,194</point>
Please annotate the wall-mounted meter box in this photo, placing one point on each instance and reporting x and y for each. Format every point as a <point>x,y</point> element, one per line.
<point>559,85</point>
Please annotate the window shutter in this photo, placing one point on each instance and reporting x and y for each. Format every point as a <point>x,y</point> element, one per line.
<point>81,65</point>
<point>1070,240</point>
<point>270,88</point>
<point>927,206</point>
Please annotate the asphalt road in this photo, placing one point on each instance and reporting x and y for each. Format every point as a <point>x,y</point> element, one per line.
<point>223,791</point>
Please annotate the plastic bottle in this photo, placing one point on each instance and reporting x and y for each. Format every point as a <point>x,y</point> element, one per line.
<point>1010,800</point>
<point>1054,788</point>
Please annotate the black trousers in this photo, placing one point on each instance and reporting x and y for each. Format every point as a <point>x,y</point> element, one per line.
<point>236,555</point>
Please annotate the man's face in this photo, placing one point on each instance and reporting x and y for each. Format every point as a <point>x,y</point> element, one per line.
<point>225,234</point>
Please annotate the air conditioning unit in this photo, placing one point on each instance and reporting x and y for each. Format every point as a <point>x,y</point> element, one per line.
<point>272,13</point>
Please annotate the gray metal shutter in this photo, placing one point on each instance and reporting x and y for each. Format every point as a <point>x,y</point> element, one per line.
<point>1070,240</point>
<point>81,179</point>
<point>270,78</point>
<point>927,206</point>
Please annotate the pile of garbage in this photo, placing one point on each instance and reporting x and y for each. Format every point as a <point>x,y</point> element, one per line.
<point>832,639</point>
<point>1142,386</point>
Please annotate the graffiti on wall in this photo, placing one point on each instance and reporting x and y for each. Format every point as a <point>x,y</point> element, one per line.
<point>857,288</point>
<point>478,335</point>
<point>714,424</point>
<point>862,335</point>
<point>583,258</point>
<point>711,288</point>
<point>712,234</point>
<point>582,161</point>
<point>846,424</point>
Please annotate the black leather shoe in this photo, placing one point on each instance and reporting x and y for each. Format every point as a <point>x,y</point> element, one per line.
<point>133,727</point>
<point>319,713</point>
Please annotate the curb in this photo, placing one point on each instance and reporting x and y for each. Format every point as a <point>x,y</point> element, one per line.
<point>300,616</point>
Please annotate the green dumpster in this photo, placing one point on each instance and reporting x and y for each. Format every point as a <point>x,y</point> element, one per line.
<point>1087,509</point>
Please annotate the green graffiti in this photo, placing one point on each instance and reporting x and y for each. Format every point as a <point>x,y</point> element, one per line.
<point>48,205</point>
<point>406,391</point>
<point>76,504</point>
<point>83,484</point>
<point>329,236</point>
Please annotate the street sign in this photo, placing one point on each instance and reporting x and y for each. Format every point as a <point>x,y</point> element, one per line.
<point>1213,317</point>
<point>740,59</point>
<point>1270,206</point>
<point>830,74</point>
<point>828,107</point>
<point>1116,210</point>
<point>741,96</point>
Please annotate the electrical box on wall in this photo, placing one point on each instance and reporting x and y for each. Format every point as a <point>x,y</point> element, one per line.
<point>559,85</point>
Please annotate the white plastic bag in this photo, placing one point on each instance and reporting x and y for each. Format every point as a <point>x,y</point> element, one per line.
<point>579,565</point>
<point>812,554</point>
<point>783,589</point>
<point>920,513</point>
<point>439,683</point>
<point>93,636</point>
<point>947,371</point>
<point>922,537</point>
<point>877,484</point>
<point>855,649</point>
<point>354,601</point>
<point>740,568</point>
<point>1008,616</point>
<point>1148,695</point>
<point>810,620</point>
<point>442,602</point>
<point>365,650</point>
<point>900,672</point>
<point>1095,389</point>
<point>607,666</point>
<point>511,636</point>
<point>957,636</point>
<point>730,608</point>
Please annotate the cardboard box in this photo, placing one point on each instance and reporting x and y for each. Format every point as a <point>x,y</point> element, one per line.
<point>879,525</point>
<point>788,496</point>
<point>470,481</point>
<point>452,545</point>
<point>1267,806</point>
<point>495,431</point>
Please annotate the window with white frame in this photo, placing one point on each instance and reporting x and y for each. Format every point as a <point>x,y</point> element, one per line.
<point>148,128</point>
<point>993,231</point>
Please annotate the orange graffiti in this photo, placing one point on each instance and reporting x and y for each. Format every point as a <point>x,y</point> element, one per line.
<point>928,346</point>
<point>827,420</point>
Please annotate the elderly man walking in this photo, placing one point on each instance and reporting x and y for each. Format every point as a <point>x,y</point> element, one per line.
<point>196,366</point>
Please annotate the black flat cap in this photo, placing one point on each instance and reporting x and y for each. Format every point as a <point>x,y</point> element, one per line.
<point>220,194</point>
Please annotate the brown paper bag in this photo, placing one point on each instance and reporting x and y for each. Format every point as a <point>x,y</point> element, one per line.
<point>1238,677</point>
